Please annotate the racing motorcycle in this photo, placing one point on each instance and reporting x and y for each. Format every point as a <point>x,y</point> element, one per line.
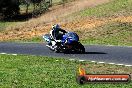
<point>69,43</point>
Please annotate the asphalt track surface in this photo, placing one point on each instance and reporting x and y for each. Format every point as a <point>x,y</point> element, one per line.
<point>108,54</point>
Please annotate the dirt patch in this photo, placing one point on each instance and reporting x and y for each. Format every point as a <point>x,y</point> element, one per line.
<point>41,25</point>
<point>81,25</point>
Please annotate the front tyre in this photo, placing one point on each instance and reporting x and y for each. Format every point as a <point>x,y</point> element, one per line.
<point>80,48</point>
<point>57,49</point>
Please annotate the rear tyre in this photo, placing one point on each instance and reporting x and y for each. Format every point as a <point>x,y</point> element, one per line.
<point>50,48</point>
<point>57,49</point>
<point>81,49</point>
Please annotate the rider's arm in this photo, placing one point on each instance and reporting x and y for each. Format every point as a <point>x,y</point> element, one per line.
<point>63,31</point>
<point>52,34</point>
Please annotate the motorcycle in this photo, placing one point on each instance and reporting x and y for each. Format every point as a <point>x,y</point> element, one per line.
<point>69,43</point>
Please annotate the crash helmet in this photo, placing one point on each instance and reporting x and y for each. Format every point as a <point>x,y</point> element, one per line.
<point>55,26</point>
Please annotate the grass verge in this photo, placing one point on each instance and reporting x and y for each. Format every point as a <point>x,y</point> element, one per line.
<point>109,9</point>
<point>3,25</point>
<point>33,39</point>
<point>59,2</point>
<point>36,71</point>
<point>116,33</point>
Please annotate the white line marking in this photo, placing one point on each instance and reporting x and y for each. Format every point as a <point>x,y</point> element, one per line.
<point>128,65</point>
<point>119,64</point>
<point>57,60</point>
<point>14,54</point>
<point>93,61</point>
<point>3,53</point>
<point>101,62</point>
<point>8,54</point>
<point>81,60</point>
<point>71,59</point>
<point>111,63</point>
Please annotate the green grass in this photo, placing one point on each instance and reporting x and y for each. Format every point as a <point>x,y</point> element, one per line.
<point>110,34</point>
<point>23,8</point>
<point>3,25</point>
<point>115,33</point>
<point>59,2</point>
<point>36,71</point>
<point>109,9</point>
<point>33,39</point>
<point>36,39</point>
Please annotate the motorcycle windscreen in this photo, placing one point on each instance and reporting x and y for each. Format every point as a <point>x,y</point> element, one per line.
<point>46,38</point>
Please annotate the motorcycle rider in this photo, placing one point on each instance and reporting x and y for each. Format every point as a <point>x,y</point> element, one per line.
<point>56,34</point>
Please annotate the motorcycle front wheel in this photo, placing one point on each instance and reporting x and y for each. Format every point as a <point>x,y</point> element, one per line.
<point>79,48</point>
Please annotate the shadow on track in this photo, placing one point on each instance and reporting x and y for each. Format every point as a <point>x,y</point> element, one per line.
<point>94,53</point>
<point>86,53</point>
